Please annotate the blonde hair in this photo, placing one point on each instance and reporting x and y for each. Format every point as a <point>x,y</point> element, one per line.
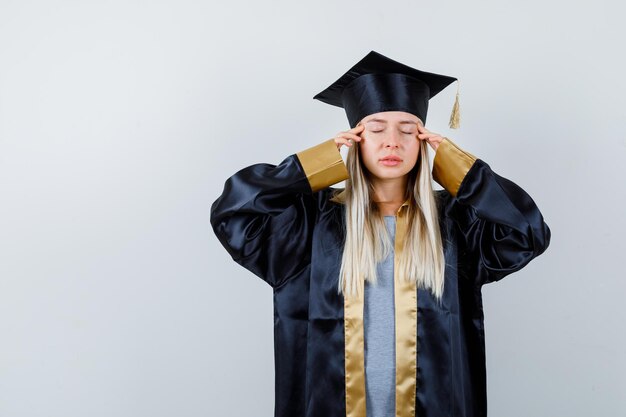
<point>367,239</point>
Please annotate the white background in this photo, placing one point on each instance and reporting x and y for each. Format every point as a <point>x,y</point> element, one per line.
<point>121,120</point>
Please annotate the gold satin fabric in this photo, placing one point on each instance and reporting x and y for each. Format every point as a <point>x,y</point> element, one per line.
<point>450,165</point>
<point>354,356</point>
<point>323,165</point>
<point>405,298</point>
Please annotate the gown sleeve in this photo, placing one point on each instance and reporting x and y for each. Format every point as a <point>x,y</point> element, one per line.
<point>501,225</point>
<point>265,215</point>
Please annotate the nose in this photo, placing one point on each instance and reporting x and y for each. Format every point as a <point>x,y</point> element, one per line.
<point>392,140</point>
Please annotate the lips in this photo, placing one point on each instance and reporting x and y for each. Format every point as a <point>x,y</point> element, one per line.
<point>391,158</point>
<point>390,161</point>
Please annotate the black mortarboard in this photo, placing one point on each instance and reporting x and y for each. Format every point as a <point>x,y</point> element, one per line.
<point>377,83</point>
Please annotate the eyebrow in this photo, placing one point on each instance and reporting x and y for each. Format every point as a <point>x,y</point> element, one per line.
<point>384,121</point>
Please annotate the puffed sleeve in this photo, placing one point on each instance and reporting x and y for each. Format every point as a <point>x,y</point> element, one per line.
<point>266,213</point>
<point>502,227</point>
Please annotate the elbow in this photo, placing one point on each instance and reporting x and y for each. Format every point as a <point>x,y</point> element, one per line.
<point>543,239</point>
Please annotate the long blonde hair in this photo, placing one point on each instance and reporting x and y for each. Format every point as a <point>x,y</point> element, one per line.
<point>368,242</point>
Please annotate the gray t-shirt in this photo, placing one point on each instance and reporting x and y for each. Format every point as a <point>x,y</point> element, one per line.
<point>379,334</point>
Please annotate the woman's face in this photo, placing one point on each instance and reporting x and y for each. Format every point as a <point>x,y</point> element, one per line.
<point>389,134</point>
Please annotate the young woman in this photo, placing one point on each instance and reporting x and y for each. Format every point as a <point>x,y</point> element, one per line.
<point>377,286</point>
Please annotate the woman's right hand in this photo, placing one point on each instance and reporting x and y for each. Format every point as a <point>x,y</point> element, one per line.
<point>346,138</point>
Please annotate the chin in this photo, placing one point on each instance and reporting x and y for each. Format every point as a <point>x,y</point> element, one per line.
<point>390,175</point>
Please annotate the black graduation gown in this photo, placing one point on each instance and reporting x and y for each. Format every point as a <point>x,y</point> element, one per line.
<point>279,222</point>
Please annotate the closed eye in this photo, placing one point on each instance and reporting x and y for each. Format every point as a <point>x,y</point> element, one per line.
<point>381,130</point>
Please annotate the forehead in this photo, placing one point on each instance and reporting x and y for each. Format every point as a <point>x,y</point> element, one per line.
<point>391,117</point>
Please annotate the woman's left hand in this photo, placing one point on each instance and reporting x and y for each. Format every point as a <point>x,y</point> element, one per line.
<point>434,139</point>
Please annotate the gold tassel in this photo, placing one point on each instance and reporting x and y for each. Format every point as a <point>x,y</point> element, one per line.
<point>455,117</point>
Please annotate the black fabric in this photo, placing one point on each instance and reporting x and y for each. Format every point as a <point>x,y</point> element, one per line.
<point>377,83</point>
<point>374,93</point>
<point>271,223</point>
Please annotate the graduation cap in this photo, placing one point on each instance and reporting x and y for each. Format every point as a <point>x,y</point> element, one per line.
<point>377,83</point>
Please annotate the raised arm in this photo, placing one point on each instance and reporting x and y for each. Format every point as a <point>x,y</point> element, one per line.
<point>501,224</point>
<point>266,213</point>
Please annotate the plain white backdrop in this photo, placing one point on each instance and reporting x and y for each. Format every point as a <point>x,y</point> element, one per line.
<point>121,120</point>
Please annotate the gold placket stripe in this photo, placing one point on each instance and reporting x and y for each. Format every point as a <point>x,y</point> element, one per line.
<point>354,356</point>
<point>405,297</point>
